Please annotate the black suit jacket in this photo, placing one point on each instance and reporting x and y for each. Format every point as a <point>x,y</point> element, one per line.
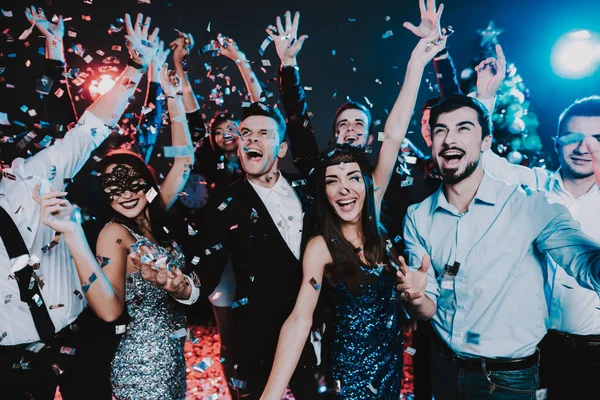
<point>237,226</point>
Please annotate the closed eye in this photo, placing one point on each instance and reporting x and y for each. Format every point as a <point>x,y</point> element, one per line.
<point>356,178</point>
<point>330,181</point>
<point>438,131</point>
<point>464,128</point>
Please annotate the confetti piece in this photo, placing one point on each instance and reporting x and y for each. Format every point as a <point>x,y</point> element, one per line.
<point>264,45</point>
<point>297,183</point>
<point>387,18</point>
<point>151,195</point>
<point>410,350</point>
<point>371,388</point>
<point>103,261</point>
<point>86,286</point>
<point>381,136</point>
<point>254,216</point>
<point>203,365</point>
<point>67,350</point>
<point>411,159</point>
<point>407,182</point>
<point>237,383</point>
<point>7,14</point>
<point>266,63</point>
<point>7,298</point>
<point>233,227</point>
<point>56,306</point>
<point>59,93</point>
<point>195,260</point>
<point>224,204</point>
<point>178,151</point>
<point>179,333</point>
<point>78,294</point>
<point>387,35</point>
<point>35,347</point>
<point>86,18</point>
<point>472,337</point>
<point>239,303</point>
<point>314,284</point>
<point>57,369</point>
<point>120,329</point>
<point>4,119</point>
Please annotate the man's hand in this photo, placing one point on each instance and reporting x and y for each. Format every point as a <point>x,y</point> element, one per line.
<point>181,47</point>
<point>56,212</point>
<point>593,146</point>
<point>412,284</point>
<point>286,40</point>
<point>429,19</point>
<point>158,59</point>
<point>49,29</point>
<point>490,74</point>
<point>227,47</point>
<point>158,274</point>
<point>141,46</point>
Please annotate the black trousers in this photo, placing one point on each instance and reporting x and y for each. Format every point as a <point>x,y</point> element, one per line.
<point>84,374</point>
<point>570,366</point>
<point>421,360</point>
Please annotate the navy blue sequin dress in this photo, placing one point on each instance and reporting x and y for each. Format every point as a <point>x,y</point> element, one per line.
<point>366,352</point>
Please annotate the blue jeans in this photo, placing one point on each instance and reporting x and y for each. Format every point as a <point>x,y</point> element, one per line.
<point>452,383</point>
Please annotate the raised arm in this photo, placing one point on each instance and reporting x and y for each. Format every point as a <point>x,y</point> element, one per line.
<point>228,47</point>
<point>296,328</point>
<point>62,160</point>
<point>151,118</point>
<point>399,118</point>
<point>303,142</point>
<point>57,213</point>
<point>58,107</point>
<point>182,148</point>
<point>181,47</point>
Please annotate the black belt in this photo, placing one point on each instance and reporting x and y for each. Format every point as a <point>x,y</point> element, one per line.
<point>575,341</point>
<point>496,364</point>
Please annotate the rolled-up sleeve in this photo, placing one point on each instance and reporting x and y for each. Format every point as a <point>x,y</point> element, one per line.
<point>65,158</point>
<point>415,251</point>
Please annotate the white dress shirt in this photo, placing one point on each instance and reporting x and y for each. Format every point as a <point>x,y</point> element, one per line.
<point>573,309</point>
<point>285,210</point>
<point>50,167</point>
<point>495,305</point>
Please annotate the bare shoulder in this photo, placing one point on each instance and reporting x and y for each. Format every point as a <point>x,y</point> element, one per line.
<point>317,250</point>
<point>116,234</point>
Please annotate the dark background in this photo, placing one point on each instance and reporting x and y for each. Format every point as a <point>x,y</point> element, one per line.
<point>530,30</point>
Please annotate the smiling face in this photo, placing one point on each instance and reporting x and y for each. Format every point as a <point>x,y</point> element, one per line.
<point>352,127</point>
<point>126,189</point>
<point>575,159</point>
<point>457,144</point>
<point>346,190</point>
<point>260,145</point>
<point>226,135</point>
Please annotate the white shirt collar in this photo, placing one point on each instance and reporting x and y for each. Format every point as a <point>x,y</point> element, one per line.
<point>281,187</point>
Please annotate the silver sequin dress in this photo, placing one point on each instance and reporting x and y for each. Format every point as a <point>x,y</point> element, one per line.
<point>149,364</point>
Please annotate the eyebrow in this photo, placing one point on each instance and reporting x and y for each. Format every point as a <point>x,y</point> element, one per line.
<point>348,174</point>
<point>465,123</point>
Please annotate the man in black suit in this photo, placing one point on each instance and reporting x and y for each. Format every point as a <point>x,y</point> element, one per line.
<point>259,224</point>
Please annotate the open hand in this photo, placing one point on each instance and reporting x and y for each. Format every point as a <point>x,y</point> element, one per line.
<point>141,46</point>
<point>593,146</point>
<point>429,46</point>
<point>158,273</point>
<point>160,56</point>
<point>170,81</point>
<point>48,28</point>
<point>412,284</point>
<point>490,74</point>
<point>56,212</point>
<point>287,43</point>
<point>429,19</point>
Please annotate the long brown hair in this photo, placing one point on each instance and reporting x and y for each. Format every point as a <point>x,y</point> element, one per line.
<point>346,265</point>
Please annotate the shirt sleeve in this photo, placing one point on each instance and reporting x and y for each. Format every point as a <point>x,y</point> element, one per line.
<point>561,238</point>
<point>193,297</point>
<point>303,142</point>
<point>415,251</point>
<point>65,158</point>
<point>446,76</point>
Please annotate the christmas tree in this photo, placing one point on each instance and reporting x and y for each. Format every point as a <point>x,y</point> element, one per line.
<point>515,122</point>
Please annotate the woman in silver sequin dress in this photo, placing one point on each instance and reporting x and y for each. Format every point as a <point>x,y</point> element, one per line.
<point>149,362</point>
<point>353,261</point>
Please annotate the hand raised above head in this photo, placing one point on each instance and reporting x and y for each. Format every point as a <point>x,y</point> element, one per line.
<point>430,18</point>
<point>286,40</point>
<point>490,74</point>
<point>181,47</point>
<point>52,30</point>
<point>141,46</point>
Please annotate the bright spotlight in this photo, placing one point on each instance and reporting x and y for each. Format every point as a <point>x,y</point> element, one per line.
<point>97,88</point>
<point>575,55</point>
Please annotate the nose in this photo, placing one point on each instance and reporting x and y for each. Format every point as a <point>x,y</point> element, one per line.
<point>343,190</point>
<point>127,194</point>
<point>581,149</point>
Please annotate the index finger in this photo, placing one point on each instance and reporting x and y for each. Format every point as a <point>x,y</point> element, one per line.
<point>500,53</point>
<point>422,6</point>
<point>128,26</point>
<point>431,5</point>
<point>403,266</point>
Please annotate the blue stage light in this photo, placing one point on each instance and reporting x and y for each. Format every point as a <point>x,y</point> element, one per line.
<point>576,54</point>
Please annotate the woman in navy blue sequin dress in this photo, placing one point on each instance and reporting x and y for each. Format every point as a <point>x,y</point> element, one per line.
<point>352,259</point>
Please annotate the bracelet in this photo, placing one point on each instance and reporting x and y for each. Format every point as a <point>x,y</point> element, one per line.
<point>442,52</point>
<point>137,66</point>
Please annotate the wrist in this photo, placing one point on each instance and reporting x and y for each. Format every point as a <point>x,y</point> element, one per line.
<point>134,64</point>
<point>289,62</point>
<point>75,231</point>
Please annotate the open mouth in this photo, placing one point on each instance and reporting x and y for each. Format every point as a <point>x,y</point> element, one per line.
<point>452,157</point>
<point>347,204</point>
<point>254,154</point>
<point>130,204</point>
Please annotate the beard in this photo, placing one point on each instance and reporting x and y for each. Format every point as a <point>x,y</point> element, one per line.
<point>450,176</point>
<point>576,174</point>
